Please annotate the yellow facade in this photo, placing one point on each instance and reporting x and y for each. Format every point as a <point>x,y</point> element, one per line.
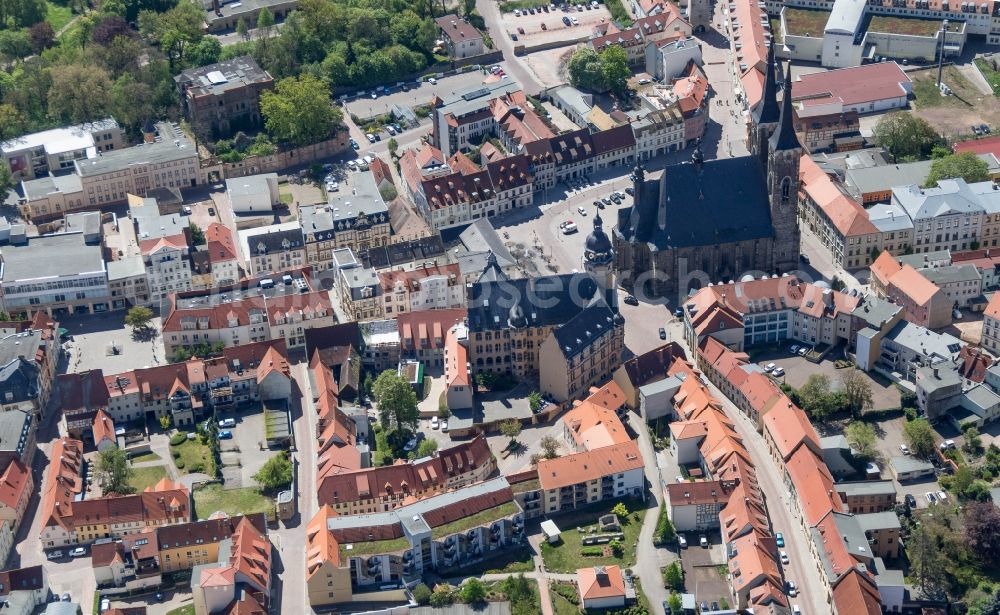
<point>186,557</point>
<point>329,585</point>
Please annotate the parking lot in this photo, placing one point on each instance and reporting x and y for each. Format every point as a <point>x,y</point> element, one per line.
<point>703,576</point>
<point>417,93</point>
<point>243,454</point>
<point>529,28</point>
<point>798,369</point>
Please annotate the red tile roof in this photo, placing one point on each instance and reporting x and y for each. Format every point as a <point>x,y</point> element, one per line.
<point>813,484</point>
<point>989,145</point>
<point>425,330</point>
<point>589,465</point>
<point>15,484</point>
<point>789,428</point>
<point>104,428</point>
<point>856,594</point>
<point>598,582</point>
<point>219,240</point>
<point>856,85</point>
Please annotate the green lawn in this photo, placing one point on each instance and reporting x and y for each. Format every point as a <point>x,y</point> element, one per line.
<point>803,22</point>
<point>481,518</point>
<point>992,76</point>
<point>562,606</point>
<point>183,610</point>
<point>147,477</point>
<point>566,556</point>
<point>194,457</point>
<point>907,25</point>
<point>212,498</point>
<point>143,458</point>
<point>926,93</point>
<point>57,15</point>
<point>285,194</point>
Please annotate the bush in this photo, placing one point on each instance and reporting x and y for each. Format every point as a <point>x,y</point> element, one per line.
<point>422,594</point>
<point>567,591</point>
<point>178,438</point>
<point>180,464</point>
<point>665,532</point>
<point>910,413</point>
<point>592,551</point>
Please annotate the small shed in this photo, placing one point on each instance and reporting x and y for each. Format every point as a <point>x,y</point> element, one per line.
<point>551,531</point>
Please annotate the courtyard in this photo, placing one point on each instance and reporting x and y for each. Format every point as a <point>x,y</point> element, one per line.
<point>797,371</point>
<point>570,553</point>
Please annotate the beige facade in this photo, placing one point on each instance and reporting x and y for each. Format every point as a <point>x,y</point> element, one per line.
<point>570,377</point>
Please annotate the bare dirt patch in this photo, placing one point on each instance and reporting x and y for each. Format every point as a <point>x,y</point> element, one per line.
<point>952,115</point>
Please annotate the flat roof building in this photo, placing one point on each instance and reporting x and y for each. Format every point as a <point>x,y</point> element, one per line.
<point>222,98</point>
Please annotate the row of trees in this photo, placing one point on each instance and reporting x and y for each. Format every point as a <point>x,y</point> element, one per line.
<point>818,398</point>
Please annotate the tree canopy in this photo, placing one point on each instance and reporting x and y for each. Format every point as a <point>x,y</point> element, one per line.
<point>862,437</point>
<point>966,165</point>
<point>138,317</point>
<point>114,471</point>
<point>919,435</point>
<point>397,403</point>
<point>905,136</point>
<point>276,474</point>
<point>299,111</point>
<point>607,70</point>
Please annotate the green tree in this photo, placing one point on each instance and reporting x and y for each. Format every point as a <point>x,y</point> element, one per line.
<point>617,549</point>
<point>473,591</point>
<point>427,448</point>
<point>816,397</point>
<point>79,93</point>
<point>174,30</point>
<point>586,70</point>
<point>14,44</point>
<point>673,576</point>
<point>204,52</point>
<point>535,401</point>
<point>244,32</point>
<point>397,403</point>
<point>393,146</point>
<point>966,165</point>
<point>512,429</point>
<point>138,317</point>
<point>7,182</point>
<point>443,595</point>
<point>675,604</point>
<point>422,594</point>
<point>962,480</point>
<point>165,422</point>
<point>973,441</point>
<point>299,110</point>
<point>21,13</point>
<point>862,437</point>
<point>550,447</point>
<point>614,67</point>
<point>444,412</point>
<point>905,135</point>
<point>276,474</point>
<point>919,435</point>
<point>114,471</point>
<point>197,235</point>
<point>12,122</point>
<point>665,532</point>
<point>620,511</point>
<point>42,36</point>
<point>927,560</point>
<point>858,391</point>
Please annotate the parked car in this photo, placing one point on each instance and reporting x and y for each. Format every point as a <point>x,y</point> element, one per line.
<point>784,557</point>
<point>930,497</point>
<point>663,333</point>
<point>791,588</point>
<point>78,552</point>
<point>390,130</point>
<point>410,445</point>
<point>616,199</point>
<point>946,445</point>
<point>354,144</point>
<point>778,372</point>
<point>631,300</point>
<point>432,80</point>
<point>211,211</point>
<point>583,212</point>
<point>575,21</point>
<point>803,351</point>
<point>794,348</point>
<point>371,137</point>
<point>333,186</point>
<point>910,500</point>
<point>66,597</point>
<point>983,128</point>
<point>444,426</point>
<point>769,367</point>
<point>435,423</point>
<point>54,554</point>
<point>975,130</point>
<point>225,434</point>
<point>942,496</point>
<point>186,210</point>
<point>606,200</point>
<point>520,30</point>
<point>517,12</point>
<point>904,449</point>
<point>569,229</point>
<point>703,541</point>
<point>513,37</point>
<point>227,423</point>
<point>779,539</point>
<point>682,542</point>
<point>956,314</point>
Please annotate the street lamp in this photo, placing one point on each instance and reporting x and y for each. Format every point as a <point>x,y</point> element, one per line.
<point>944,32</point>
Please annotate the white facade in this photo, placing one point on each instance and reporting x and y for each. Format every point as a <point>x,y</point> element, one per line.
<point>168,270</point>
<point>253,194</point>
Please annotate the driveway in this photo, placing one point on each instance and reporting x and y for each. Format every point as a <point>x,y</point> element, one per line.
<point>242,456</point>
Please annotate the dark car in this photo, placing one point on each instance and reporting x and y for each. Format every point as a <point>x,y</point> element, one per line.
<point>211,211</point>
<point>631,300</point>
<point>910,500</point>
<point>679,312</point>
<point>984,129</point>
<point>629,191</point>
<point>663,333</point>
<point>804,258</point>
<point>715,606</point>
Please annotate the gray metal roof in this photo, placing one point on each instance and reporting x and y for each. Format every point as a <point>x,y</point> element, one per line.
<point>878,520</point>
<point>910,464</point>
<point>171,145</point>
<point>480,236</point>
<point>876,312</point>
<point>42,186</point>
<point>980,399</point>
<point>250,185</point>
<point>846,16</point>
<point>217,78</point>
<point>13,427</point>
<point>925,342</point>
<point>359,278</point>
<point>888,217</point>
<point>50,256</point>
<point>129,267</point>
<point>919,261</point>
<point>949,196</point>
<point>476,98</point>
<point>866,487</point>
<point>951,274</point>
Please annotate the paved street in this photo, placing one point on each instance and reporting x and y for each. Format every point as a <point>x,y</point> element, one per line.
<point>514,66</point>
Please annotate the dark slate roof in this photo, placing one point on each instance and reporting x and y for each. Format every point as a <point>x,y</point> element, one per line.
<point>768,112</point>
<point>543,301</point>
<point>401,253</point>
<point>613,139</point>
<point>724,202</point>
<point>580,332</point>
<point>20,378</point>
<point>492,272</point>
<point>784,136</point>
<point>275,241</point>
<point>572,147</point>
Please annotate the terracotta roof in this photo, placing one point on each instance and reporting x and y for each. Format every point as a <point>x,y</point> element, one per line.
<point>600,582</point>
<point>460,163</point>
<point>152,246</point>
<point>247,603</point>
<point>884,267</point>
<point>589,465</point>
<point>321,546</point>
<point>456,29</point>
<point>857,594</point>
<point>697,493</point>
<point>989,145</point>
<point>911,283</point>
<point>380,171</point>
<point>429,475</point>
<point>30,578</point>
<point>851,86</point>
<point>652,366</point>
<point>411,279</point>
<point>813,484</point>
<point>609,396</point>
<point>993,307</point>
<point>219,240</point>
<point>426,329</point>
<point>205,532</point>
<point>251,555</point>
<point>632,37</point>
<point>104,428</point>
<point>457,188</point>
<point>15,484</point>
<point>818,302</point>
<point>62,482</point>
<point>691,90</point>
<point>789,427</point>
<point>753,564</point>
<point>759,390</point>
<point>594,426</point>
<point>973,363</point>
<point>456,367</point>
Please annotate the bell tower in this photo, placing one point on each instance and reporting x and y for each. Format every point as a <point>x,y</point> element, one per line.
<point>598,255</point>
<point>784,157</point>
<point>767,113</point>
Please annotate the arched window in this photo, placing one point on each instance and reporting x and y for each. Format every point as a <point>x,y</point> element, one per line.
<point>786,187</point>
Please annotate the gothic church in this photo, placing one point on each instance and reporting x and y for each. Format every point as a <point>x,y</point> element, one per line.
<point>710,221</point>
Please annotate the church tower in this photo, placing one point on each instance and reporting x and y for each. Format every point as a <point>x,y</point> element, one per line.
<point>784,156</point>
<point>767,113</point>
<point>598,256</point>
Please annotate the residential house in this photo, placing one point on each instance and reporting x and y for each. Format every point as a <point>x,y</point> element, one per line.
<point>460,37</point>
<point>52,151</point>
<point>28,360</point>
<point>422,289</point>
<point>16,489</point>
<point>274,248</point>
<point>922,301</point>
<point>601,587</point>
<point>104,432</point>
<point>358,220</point>
<point>222,98</point>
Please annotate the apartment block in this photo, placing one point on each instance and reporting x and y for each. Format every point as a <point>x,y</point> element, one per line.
<point>223,98</point>
<point>52,151</point>
<point>359,221</point>
<point>426,288</point>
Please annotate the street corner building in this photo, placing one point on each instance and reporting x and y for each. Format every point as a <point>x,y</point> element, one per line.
<point>708,221</point>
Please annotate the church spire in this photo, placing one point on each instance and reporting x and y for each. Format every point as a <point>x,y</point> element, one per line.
<point>767,111</point>
<point>784,137</point>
